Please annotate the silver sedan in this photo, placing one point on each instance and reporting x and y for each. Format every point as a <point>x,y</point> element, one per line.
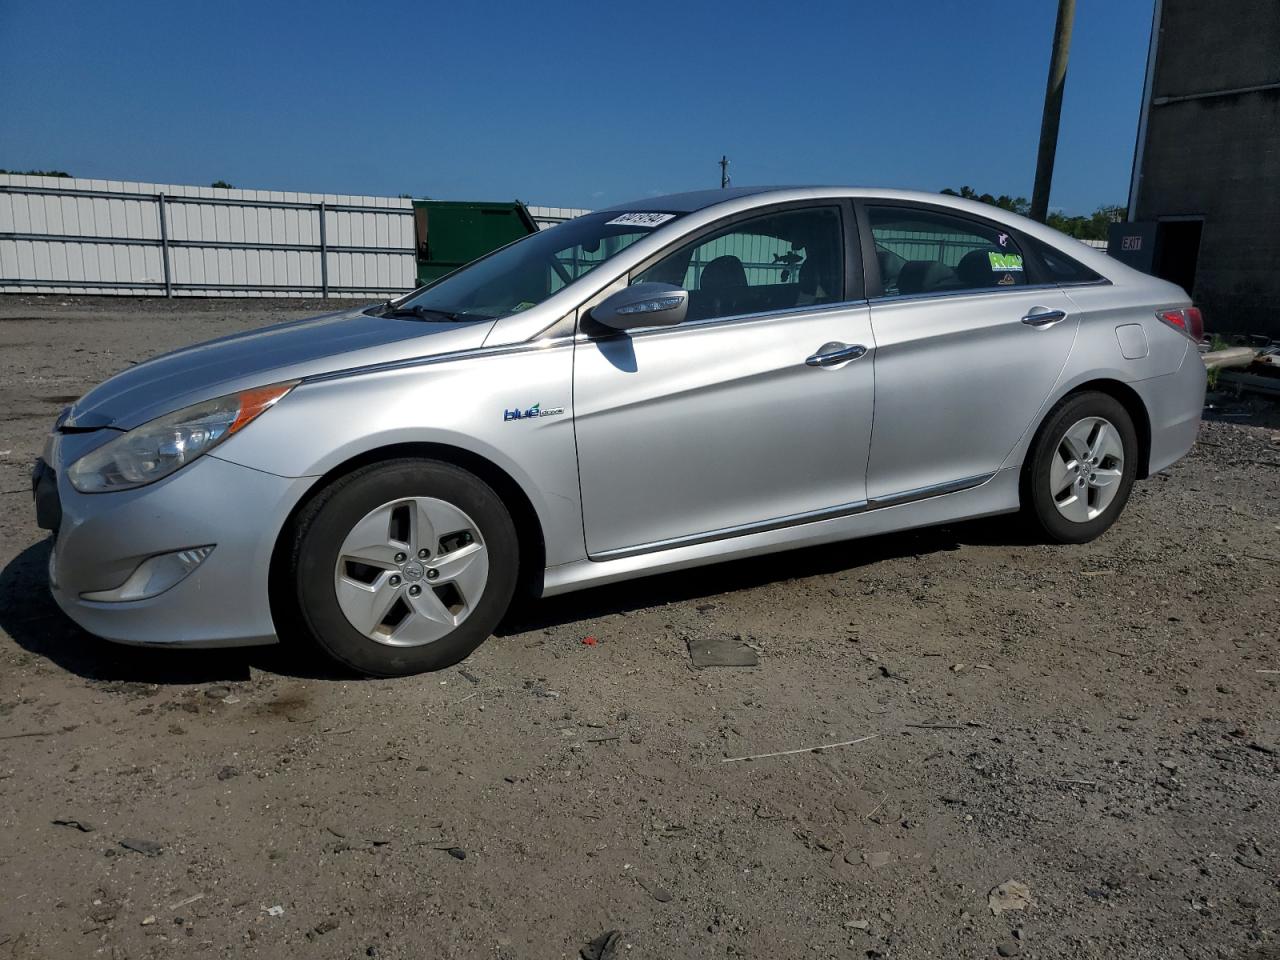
<point>656,386</point>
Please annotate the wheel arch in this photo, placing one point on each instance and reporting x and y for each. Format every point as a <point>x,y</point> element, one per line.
<point>1134,406</point>
<point>1123,394</point>
<point>529,532</point>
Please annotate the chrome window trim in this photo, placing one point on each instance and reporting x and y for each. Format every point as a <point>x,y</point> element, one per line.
<point>981,291</point>
<point>841,205</point>
<point>863,203</point>
<point>867,204</point>
<point>795,519</point>
<point>1100,282</point>
<point>763,315</point>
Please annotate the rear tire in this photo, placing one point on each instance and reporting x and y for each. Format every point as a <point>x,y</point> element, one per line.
<point>1081,469</point>
<point>403,566</point>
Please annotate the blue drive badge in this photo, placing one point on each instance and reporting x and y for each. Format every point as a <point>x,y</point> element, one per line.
<point>531,413</point>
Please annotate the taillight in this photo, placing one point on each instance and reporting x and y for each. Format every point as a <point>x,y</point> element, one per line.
<point>1195,322</point>
<point>1188,321</point>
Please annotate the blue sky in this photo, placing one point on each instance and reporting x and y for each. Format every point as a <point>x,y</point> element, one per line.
<point>570,103</point>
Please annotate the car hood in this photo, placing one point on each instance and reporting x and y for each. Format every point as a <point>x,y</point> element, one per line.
<point>285,351</point>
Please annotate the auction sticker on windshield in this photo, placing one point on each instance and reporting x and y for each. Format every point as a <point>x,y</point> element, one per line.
<point>640,220</point>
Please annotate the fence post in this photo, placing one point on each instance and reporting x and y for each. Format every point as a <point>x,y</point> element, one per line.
<point>324,255</point>
<point>164,245</point>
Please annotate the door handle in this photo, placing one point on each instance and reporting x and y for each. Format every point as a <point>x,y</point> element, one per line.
<point>1039,317</point>
<point>829,354</point>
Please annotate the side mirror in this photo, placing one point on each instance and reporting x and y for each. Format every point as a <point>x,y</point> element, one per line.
<point>643,305</point>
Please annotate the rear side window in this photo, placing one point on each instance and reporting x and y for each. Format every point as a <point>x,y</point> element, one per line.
<point>1061,267</point>
<point>923,252</point>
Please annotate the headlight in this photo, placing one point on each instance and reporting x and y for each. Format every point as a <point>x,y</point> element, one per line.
<point>156,449</point>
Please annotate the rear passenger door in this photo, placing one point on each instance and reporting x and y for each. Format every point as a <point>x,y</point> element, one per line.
<point>968,346</point>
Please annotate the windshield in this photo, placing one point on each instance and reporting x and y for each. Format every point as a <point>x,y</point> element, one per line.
<point>523,274</point>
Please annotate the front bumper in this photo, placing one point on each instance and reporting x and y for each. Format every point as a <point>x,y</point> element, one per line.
<point>44,490</point>
<point>101,539</point>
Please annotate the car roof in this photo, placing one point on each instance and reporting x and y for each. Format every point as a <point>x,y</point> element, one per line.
<point>701,199</point>
<point>695,199</point>
<point>739,199</point>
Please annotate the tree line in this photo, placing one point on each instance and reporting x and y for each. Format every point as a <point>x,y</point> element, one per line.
<point>1092,227</point>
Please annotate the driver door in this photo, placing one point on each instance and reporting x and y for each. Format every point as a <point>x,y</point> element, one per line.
<point>753,413</point>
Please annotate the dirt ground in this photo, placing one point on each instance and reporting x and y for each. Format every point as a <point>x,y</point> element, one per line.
<point>1098,723</point>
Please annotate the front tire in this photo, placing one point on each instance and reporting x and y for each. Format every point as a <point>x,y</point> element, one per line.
<point>403,566</point>
<point>1082,468</point>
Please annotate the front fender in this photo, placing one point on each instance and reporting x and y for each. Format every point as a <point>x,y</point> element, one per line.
<point>467,402</point>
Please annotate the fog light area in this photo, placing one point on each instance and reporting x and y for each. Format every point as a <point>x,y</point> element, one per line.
<point>154,576</point>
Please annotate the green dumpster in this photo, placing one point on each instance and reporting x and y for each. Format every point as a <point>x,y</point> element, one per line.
<point>451,233</point>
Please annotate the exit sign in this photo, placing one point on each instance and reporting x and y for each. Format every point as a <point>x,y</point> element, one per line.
<point>1132,243</point>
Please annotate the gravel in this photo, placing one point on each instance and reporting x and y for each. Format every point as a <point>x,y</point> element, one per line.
<point>1109,742</point>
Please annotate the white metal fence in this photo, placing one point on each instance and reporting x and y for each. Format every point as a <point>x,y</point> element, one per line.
<point>67,235</point>
<point>546,217</point>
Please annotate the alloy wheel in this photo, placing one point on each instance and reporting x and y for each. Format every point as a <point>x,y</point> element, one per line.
<point>1086,469</point>
<point>411,571</point>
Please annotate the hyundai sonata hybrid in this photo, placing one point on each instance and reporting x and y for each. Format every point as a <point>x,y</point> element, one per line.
<point>652,387</point>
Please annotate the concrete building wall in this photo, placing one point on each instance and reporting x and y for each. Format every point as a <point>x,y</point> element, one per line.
<point>1213,151</point>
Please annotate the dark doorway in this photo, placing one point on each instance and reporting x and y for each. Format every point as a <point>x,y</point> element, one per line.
<point>1177,249</point>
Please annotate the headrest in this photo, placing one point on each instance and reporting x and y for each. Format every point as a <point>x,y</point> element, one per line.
<point>722,273</point>
<point>922,276</point>
<point>975,268</point>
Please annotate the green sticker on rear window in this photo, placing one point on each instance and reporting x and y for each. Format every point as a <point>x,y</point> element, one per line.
<point>1005,262</point>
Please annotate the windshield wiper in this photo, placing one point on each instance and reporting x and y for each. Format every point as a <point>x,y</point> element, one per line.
<point>421,313</point>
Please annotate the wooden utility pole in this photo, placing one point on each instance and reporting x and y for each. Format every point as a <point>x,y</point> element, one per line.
<point>1052,109</point>
<point>724,171</point>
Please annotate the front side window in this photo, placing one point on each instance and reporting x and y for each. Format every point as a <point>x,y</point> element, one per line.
<point>922,252</point>
<point>778,261</point>
<point>523,274</point>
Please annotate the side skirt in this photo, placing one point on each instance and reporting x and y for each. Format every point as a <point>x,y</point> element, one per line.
<point>999,494</point>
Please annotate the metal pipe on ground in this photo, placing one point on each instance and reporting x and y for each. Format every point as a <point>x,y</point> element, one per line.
<point>1231,357</point>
